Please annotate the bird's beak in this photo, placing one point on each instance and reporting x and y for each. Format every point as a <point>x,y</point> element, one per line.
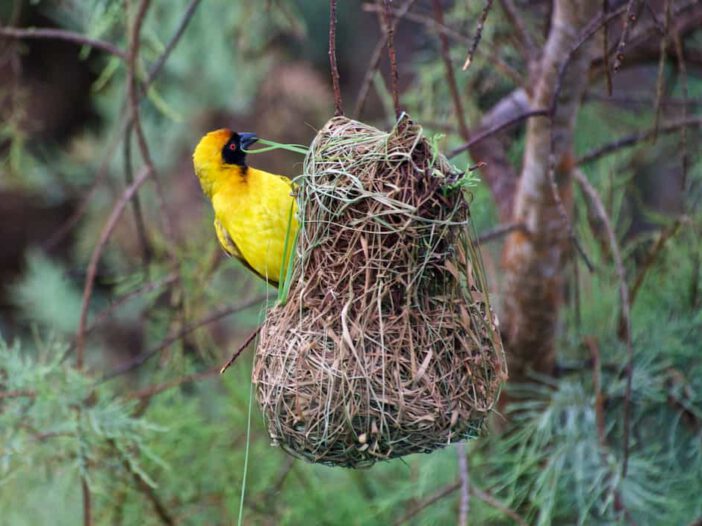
<point>247,139</point>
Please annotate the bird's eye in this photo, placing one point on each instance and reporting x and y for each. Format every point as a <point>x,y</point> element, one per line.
<point>232,147</point>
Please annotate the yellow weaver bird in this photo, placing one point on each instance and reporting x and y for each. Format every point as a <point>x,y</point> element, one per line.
<point>255,211</point>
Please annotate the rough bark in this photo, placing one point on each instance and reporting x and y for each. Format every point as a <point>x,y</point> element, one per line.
<point>534,257</point>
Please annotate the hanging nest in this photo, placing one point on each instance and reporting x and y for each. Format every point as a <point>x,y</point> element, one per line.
<point>386,344</point>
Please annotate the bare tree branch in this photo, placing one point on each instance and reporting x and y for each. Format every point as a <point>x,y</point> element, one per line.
<point>515,19</point>
<point>464,505</point>
<point>636,138</point>
<point>450,75</point>
<point>338,105</point>
<point>62,34</point>
<point>478,34</point>
<point>374,62</point>
<point>105,234</point>
<point>625,310</point>
<point>168,341</point>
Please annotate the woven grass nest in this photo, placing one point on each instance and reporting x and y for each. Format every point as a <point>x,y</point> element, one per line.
<point>386,344</point>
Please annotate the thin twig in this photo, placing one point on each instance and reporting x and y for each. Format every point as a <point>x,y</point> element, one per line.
<point>139,222</point>
<point>338,106</point>
<point>62,34</point>
<point>629,21</point>
<point>374,62</point>
<point>118,302</point>
<point>145,488</point>
<point>625,309</point>
<point>565,218</point>
<point>661,68</point>
<point>635,138</point>
<point>487,498</point>
<point>105,234</point>
<point>425,503</point>
<point>394,78</point>
<point>478,34</point>
<point>682,71</point>
<point>153,390</point>
<point>515,19</point>
<point>500,231</point>
<point>495,59</point>
<point>594,348</point>
<point>133,97</point>
<point>103,169</point>
<point>87,508</point>
<point>180,30</point>
<point>464,504</point>
<point>588,32</point>
<point>495,130</point>
<point>605,48</point>
<point>667,233</point>
<point>639,100</point>
<point>168,341</point>
<point>240,349</point>
<point>450,75</point>
<point>22,393</point>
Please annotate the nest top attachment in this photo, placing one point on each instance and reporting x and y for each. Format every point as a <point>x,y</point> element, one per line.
<point>387,344</point>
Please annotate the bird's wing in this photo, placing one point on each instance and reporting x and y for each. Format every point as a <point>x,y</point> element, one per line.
<point>229,246</point>
<point>226,241</point>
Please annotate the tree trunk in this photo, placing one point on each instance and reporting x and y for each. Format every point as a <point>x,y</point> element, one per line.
<point>534,257</point>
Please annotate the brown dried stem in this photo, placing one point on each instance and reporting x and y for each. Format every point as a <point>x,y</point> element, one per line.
<point>420,506</point>
<point>635,138</point>
<point>489,499</point>
<point>629,21</point>
<point>419,18</point>
<point>605,48</point>
<point>464,504</point>
<point>62,34</point>
<point>338,106</point>
<point>241,349</point>
<point>515,19</point>
<point>591,194</point>
<point>669,232</point>
<point>389,29</point>
<point>145,488</point>
<point>118,302</point>
<point>180,30</point>
<point>153,390</point>
<point>682,71</point>
<point>661,68</point>
<point>146,251</point>
<point>495,130</point>
<point>500,231</point>
<point>87,508</point>
<point>450,75</point>
<point>374,62</point>
<point>105,234</point>
<point>478,34</point>
<point>168,341</point>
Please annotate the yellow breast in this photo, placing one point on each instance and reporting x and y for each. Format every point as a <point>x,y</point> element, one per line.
<point>258,212</point>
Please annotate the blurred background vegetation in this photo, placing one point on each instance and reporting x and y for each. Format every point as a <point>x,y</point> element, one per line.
<point>148,425</point>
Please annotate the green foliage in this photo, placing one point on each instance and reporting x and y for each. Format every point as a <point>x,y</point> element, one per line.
<point>56,426</point>
<point>45,279</point>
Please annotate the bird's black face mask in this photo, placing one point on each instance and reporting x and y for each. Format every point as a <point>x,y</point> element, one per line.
<point>234,152</point>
